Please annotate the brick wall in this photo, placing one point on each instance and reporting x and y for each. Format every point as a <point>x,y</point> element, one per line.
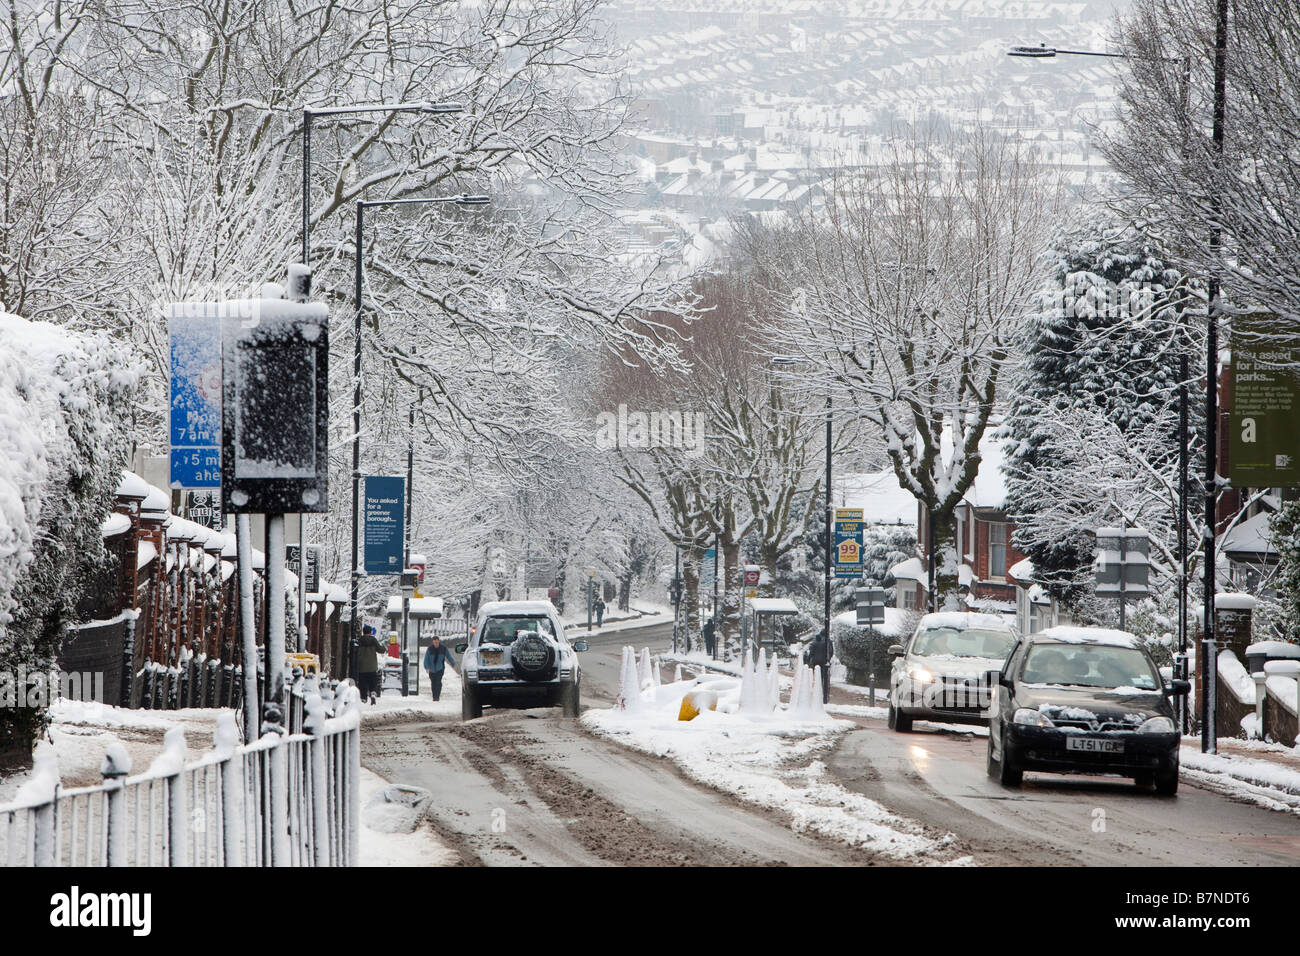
<point>96,649</point>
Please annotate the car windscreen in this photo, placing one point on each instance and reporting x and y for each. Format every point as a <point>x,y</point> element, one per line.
<point>504,630</point>
<point>1090,665</point>
<point>963,642</point>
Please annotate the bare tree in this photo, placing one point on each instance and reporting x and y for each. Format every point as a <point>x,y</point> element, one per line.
<point>1236,217</point>
<point>902,296</point>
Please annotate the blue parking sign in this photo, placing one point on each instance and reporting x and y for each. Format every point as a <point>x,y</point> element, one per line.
<point>194,419</point>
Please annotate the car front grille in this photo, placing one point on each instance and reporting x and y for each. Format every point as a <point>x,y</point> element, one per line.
<point>1092,727</point>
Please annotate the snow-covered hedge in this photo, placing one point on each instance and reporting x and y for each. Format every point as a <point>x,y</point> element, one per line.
<point>64,420</point>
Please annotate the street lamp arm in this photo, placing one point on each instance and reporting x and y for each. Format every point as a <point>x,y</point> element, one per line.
<point>459,200</point>
<point>439,108</point>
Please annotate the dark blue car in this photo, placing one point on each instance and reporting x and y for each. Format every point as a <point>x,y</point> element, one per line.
<point>1083,700</point>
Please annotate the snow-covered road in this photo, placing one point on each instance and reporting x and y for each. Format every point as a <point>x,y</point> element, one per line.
<point>531,788</point>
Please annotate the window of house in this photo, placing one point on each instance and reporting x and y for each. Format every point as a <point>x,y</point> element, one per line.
<point>997,550</point>
<point>909,598</point>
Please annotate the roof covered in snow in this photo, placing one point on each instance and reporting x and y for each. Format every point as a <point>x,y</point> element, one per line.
<point>1088,635</point>
<point>506,608</point>
<point>910,570</point>
<point>421,607</point>
<point>1252,536</point>
<point>961,620</point>
<point>773,606</point>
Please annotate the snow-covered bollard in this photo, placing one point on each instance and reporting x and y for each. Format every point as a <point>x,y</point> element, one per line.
<point>796,684</point>
<point>816,703</point>
<point>643,668</point>
<point>677,674</point>
<point>629,683</point>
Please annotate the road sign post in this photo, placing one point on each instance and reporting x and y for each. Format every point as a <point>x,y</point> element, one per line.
<point>870,604</point>
<point>1123,566</point>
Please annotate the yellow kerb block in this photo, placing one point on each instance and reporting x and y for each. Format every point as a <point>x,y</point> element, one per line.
<point>696,701</point>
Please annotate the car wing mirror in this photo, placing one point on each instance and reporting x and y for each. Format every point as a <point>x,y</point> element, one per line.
<point>895,650</point>
<point>1178,688</point>
<point>462,647</point>
<point>579,645</point>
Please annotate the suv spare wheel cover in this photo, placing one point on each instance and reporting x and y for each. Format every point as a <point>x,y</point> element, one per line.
<point>532,656</point>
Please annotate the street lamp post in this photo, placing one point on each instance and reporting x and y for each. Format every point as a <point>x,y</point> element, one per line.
<point>1207,655</point>
<point>308,113</point>
<point>362,205</point>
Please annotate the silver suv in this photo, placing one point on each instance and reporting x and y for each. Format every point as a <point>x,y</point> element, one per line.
<point>518,657</point>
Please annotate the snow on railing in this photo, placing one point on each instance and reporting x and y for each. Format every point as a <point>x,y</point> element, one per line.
<point>220,810</point>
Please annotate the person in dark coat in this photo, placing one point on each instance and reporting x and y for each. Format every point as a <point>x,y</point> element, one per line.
<point>436,659</point>
<point>819,655</point>
<point>709,637</point>
<point>368,651</point>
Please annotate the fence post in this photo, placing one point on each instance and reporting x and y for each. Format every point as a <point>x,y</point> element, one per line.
<point>318,802</point>
<point>128,662</point>
<point>116,765</point>
<point>352,778</point>
<point>225,742</point>
<point>45,832</point>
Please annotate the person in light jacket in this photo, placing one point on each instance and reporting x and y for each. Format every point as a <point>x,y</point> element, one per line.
<point>436,659</point>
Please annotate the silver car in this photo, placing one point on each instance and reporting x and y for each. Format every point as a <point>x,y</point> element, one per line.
<point>940,673</point>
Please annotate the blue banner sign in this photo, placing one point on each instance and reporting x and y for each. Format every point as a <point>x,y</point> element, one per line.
<point>384,530</point>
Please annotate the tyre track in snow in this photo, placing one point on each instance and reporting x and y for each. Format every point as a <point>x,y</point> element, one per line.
<point>564,797</point>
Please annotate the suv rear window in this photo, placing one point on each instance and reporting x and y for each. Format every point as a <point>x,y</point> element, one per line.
<point>504,630</point>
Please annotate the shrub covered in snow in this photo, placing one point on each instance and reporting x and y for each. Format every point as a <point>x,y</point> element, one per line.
<point>64,413</point>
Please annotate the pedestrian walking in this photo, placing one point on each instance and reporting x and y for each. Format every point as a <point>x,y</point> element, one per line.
<point>709,636</point>
<point>368,652</point>
<point>600,609</point>
<point>436,659</point>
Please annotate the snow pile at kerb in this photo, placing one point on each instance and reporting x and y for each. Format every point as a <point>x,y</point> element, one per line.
<point>745,741</point>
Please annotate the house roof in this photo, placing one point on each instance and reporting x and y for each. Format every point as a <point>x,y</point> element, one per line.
<point>1252,536</point>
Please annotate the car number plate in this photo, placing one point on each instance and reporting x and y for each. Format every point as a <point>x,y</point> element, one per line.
<point>491,657</point>
<point>1094,745</point>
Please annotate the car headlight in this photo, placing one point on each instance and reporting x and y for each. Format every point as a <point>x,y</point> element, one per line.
<point>1031,718</point>
<point>1157,725</point>
<point>920,674</point>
